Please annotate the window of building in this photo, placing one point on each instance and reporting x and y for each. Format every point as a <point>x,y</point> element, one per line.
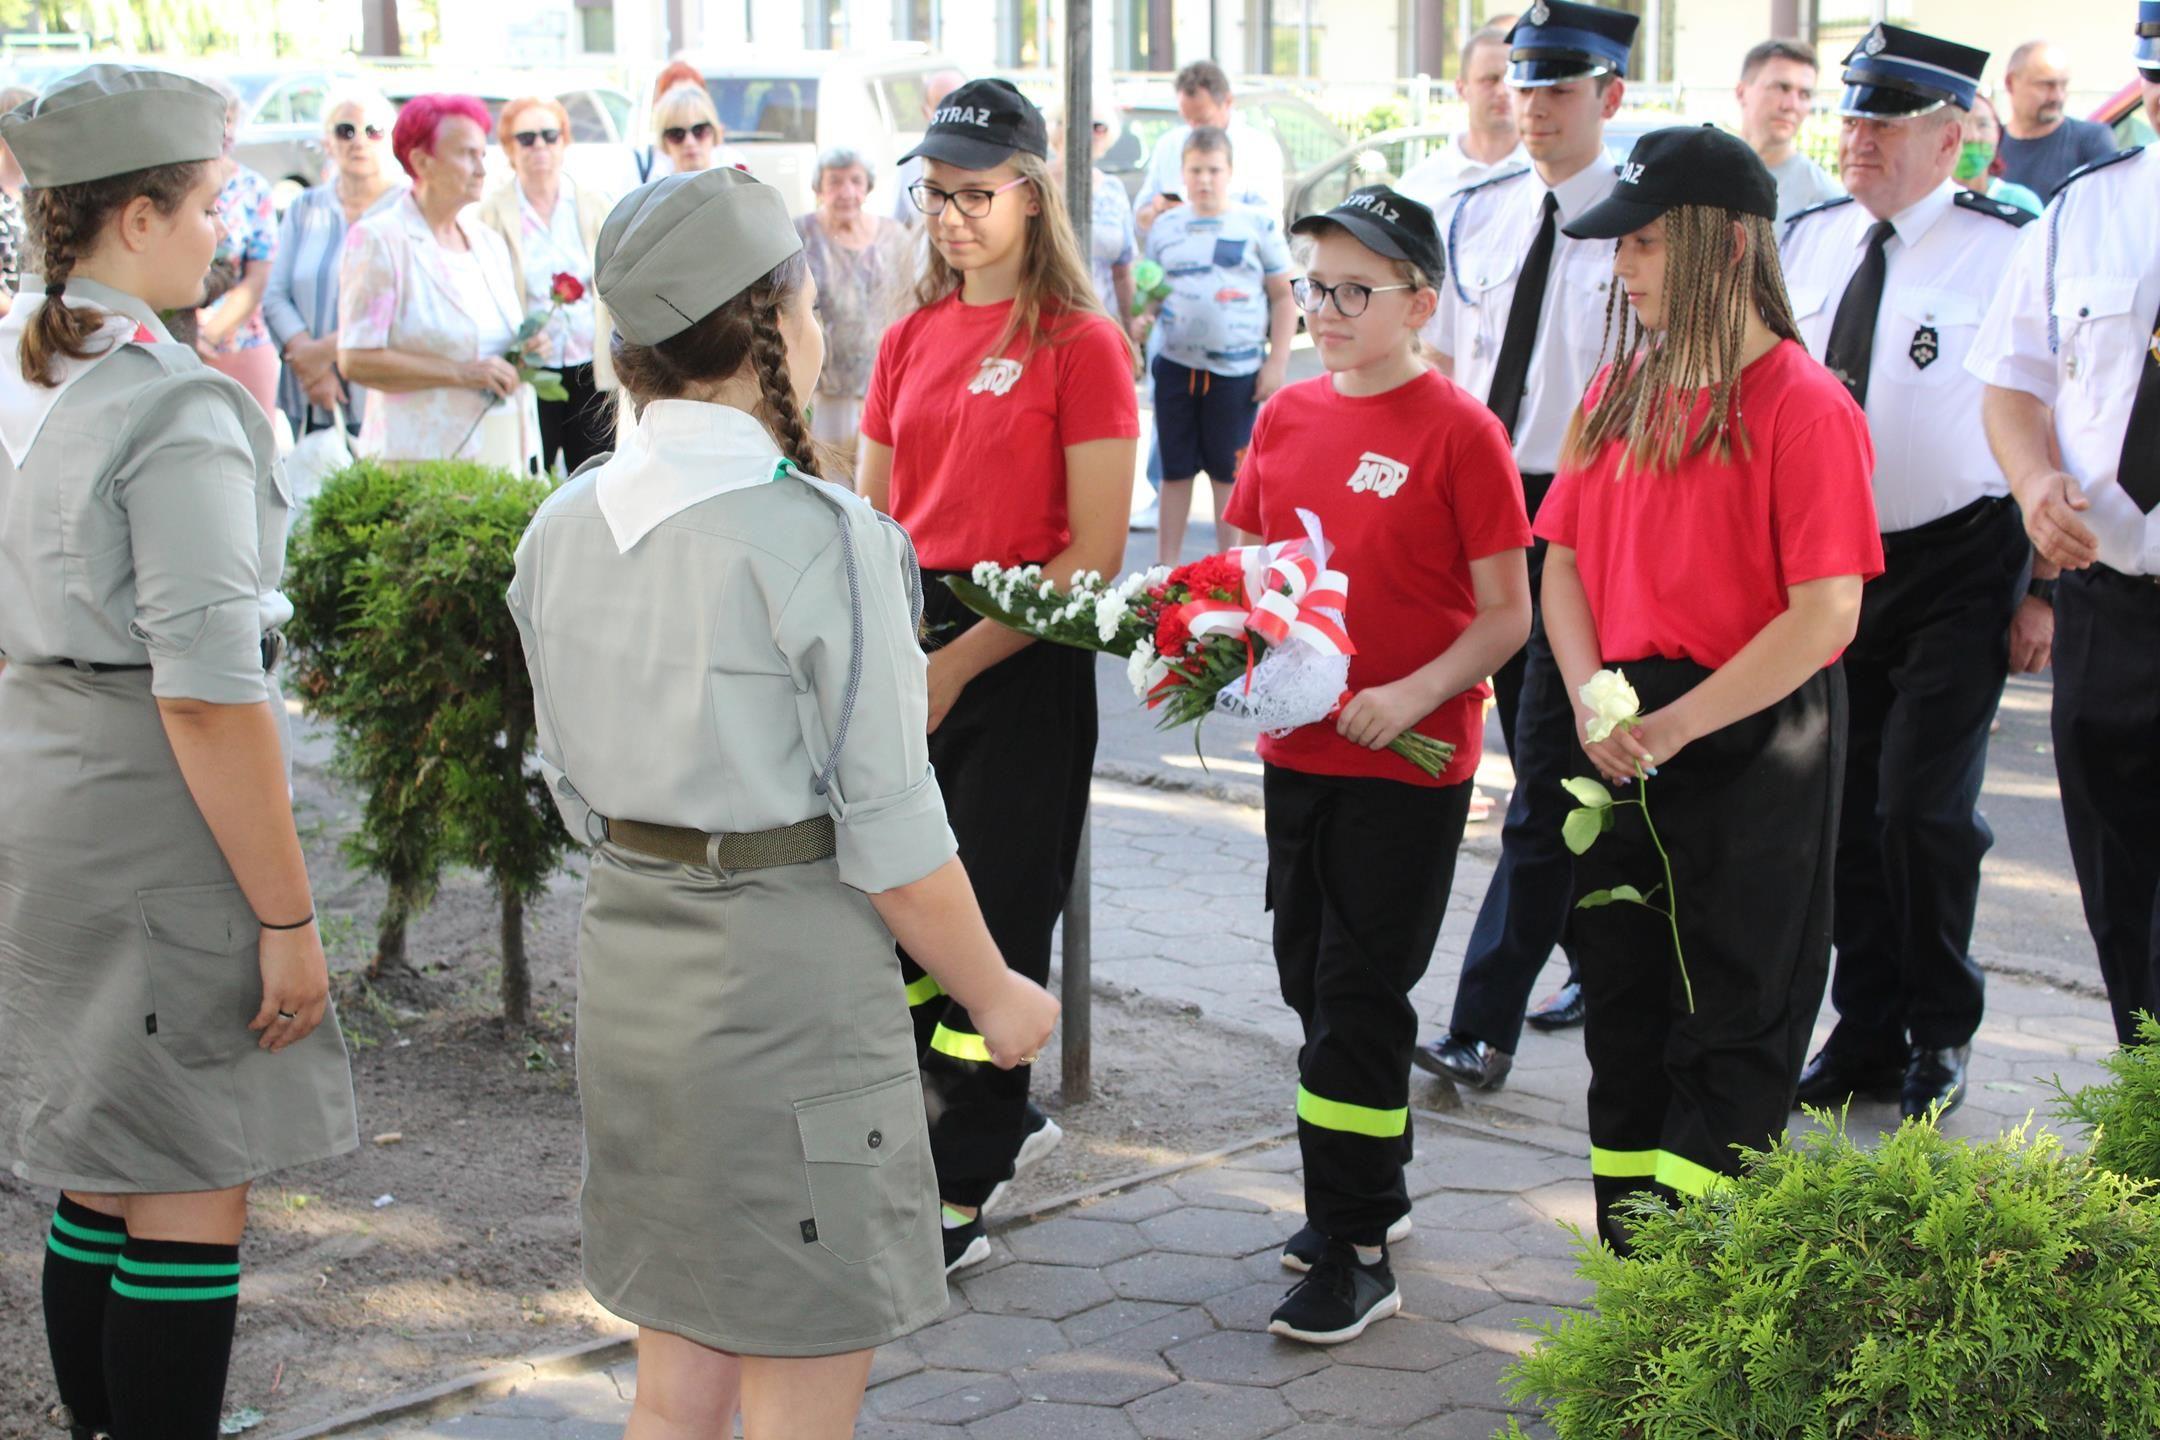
<point>916,20</point>
<point>596,26</point>
<point>1020,32</point>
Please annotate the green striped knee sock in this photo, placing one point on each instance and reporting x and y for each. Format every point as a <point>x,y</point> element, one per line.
<point>81,1251</point>
<point>168,1337</point>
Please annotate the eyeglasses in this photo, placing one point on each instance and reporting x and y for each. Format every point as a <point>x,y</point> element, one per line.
<point>530,138</point>
<point>973,203</point>
<point>676,134</point>
<point>1350,297</point>
<point>346,130</point>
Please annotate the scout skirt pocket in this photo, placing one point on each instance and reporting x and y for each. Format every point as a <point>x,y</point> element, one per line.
<point>201,948</point>
<point>865,1155</point>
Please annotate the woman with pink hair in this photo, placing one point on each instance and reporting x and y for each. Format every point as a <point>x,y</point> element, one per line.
<point>429,305</point>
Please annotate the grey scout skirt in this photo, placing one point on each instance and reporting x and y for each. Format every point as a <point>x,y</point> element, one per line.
<point>757,1165</point>
<point>128,964</point>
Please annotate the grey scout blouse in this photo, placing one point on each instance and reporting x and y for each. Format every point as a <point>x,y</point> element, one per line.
<point>690,620</point>
<point>140,528</point>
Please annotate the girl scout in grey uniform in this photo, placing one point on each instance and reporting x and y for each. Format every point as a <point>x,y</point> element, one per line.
<point>161,981</point>
<point>732,708</point>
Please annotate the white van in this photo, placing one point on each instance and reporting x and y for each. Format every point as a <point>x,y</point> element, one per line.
<point>782,109</point>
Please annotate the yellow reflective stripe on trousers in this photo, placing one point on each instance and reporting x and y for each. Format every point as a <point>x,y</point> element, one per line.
<point>1351,1119</point>
<point>1676,1172</point>
<point>959,1044</point>
<point>923,990</point>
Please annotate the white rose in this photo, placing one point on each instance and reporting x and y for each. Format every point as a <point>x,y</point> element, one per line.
<point>1612,703</point>
<point>1137,666</point>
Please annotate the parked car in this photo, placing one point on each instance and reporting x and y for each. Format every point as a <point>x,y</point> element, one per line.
<point>600,120</point>
<point>2124,113</point>
<point>1308,138</point>
<point>1384,158</point>
<point>281,125</point>
<point>782,109</point>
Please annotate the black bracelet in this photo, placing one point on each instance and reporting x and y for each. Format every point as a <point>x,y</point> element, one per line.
<point>296,925</point>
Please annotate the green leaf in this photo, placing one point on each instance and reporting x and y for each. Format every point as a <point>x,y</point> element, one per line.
<point>1596,900</point>
<point>1628,893</point>
<point>1587,790</point>
<point>1582,827</point>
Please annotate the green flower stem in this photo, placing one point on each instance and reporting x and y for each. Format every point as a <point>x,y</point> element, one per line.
<point>1671,909</point>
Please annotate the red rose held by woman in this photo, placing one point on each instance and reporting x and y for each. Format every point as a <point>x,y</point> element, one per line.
<point>567,289</point>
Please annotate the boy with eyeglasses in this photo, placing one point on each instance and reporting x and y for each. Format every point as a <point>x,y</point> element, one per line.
<point>1227,325</point>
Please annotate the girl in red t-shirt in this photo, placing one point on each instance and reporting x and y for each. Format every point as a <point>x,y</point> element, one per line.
<point>1710,530</point>
<point>1000,425</point>
<point>1415,489</point>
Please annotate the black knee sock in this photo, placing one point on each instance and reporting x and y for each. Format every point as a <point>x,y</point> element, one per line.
<point>81,1250</point>
<point>168,1338</point>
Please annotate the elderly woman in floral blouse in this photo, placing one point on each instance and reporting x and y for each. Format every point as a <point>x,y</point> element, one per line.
<point>864,264</point>
<point>429,308</point>
<point>229,331</point>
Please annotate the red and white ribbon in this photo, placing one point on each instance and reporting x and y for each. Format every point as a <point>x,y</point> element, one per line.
<point>1289,594</point>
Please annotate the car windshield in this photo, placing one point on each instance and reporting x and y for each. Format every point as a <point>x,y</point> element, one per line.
<point>252,85</point>
<point>766,107</point>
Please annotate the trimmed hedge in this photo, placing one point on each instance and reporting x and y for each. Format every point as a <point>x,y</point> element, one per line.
<point>403,641</point>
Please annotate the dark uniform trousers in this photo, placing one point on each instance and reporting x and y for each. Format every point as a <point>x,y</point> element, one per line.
<point>2107,756</point>
<point>1014,757</point>
<point>1924,673</point>
<point>1359,871</point>
<point>1525,912</point>
<point>1749,817</point>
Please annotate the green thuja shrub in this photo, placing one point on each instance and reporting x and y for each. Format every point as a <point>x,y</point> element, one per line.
<point>1927,1289</point>
<point>2122,1112</point>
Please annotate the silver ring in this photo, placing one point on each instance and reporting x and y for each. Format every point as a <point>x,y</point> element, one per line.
<point>1031,1059</point>
<point>288,1015</point>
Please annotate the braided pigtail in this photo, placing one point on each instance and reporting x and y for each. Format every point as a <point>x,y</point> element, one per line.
<point>65,223</point>
<point>769,358</point>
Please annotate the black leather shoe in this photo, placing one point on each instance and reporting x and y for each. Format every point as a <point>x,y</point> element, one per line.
<point>1563,1009</point>
<point>1932,1076</point>
<point>1469,1062</point>
<point>1832,1079</point>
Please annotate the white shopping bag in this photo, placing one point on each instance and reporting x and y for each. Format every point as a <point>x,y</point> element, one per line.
<point>315,458</point>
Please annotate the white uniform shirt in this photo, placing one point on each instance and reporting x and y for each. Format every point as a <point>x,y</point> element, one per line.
<point>1256,166</point>
<point>2105,291</point>
<point>1450,169</point>
<point>1489,231</point>
<point>1923,406</point>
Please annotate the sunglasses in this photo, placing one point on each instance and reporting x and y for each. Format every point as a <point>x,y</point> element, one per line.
<point>676,134</point>
<point>530,138</point>
<point>1100,128</point>
<point>346,130</point>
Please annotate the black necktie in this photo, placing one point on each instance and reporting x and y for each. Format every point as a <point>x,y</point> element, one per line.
<point>2139,470</point>
<point>1512,372</point>
<point>1852,334</point>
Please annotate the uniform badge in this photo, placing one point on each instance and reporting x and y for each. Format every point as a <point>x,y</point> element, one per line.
<point>1926,345</point>
<point>1540,13</point>
<point>1876,42</point>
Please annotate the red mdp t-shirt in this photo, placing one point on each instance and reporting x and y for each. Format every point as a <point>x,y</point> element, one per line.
<point>1410,487</point>
<point>1690,565</point>
<point>978,467</point>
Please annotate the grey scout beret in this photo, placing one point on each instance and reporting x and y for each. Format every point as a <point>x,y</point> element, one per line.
<point>674,251</point>
<point>111,120</point>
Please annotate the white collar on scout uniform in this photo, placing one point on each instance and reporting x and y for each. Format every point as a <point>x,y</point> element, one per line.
<point>682,452</point>
<point>25,407</point>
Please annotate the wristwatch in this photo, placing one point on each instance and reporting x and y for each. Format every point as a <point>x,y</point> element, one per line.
<point>2041,590</point>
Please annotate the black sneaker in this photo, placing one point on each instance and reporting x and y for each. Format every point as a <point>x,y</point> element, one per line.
<point>1039,1139</point>
<point>966,1245</point>
<point>1303,1250</point>
<point>1338,1299</point>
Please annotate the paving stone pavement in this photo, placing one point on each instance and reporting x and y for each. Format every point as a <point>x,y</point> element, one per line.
<point>1142,1315</point>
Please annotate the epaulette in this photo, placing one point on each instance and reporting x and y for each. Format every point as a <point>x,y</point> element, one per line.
<point>2001,210</point>
<point>1462,202</point>
<point>2101,164</point>
<point>1816,209</point>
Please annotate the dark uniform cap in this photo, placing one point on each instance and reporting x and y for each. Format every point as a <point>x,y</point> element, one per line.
<point>2147,54</point>
<point>111,120</point>
<point>1681,165</point>
<point>981,124</point>
<point>1895,73</point>
<point>1388,224</point>
<point>676,250</point>
<point>1556,41</point>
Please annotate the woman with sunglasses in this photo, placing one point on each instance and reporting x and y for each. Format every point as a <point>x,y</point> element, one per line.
<point>1000,426</point>
<point>688,130</point>
<point>300,307</point>
<point>551,224</point>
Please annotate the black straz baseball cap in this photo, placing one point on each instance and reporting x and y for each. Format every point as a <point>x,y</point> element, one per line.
<point>981,124</point>
<point>1682,165</point>
<point>1387,224</point>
